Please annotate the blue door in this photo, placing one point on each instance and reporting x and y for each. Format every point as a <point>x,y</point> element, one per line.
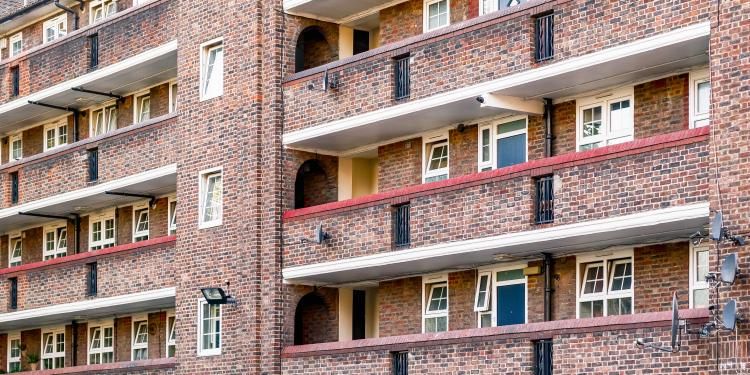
<point>511,150</point>
<point>511,304</point>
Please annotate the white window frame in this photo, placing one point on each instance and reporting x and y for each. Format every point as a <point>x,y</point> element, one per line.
<point>486,165</point>
<point>697,77</point>
<point>605,100</point>
<point>12,139</point>
<point>136,321</point>
<point>212,351</point>
<point>428,142</point>
<point>15,38</point>
<point>492,6</point>
<point>101,326</point>
<point>173,96</point>
<point>487,290</point>
<point>696,284</point>
<point>171,331</point>
<point>105,6</point>
<point>108,110</point>
<point>426,14</point>
<point>604,257</point>
<point>54,23</point>
<point>172,215</point>
<point>433,281</point>
<point>105,242</point>
<point>137,210</point>
<point>56,127</point>
<point>491,309</point>
<point>56,231</point>
<point>203,177</point>
<point>11,242</point>
<point>138,112</point>
<point>14,359</point>
<point>205,51</point>
<point>55,354</point>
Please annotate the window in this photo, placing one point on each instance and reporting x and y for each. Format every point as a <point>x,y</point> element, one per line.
<point>435,151</point>
<point>101,9</point>
<point>103,120</point>
<point>142,108</point>
<point>172,217</point>
<point>501,296</point>
<point>93,164</point>
<point>14,352</point>
<point>211,190</point>
<point>435,318</point>
<point>55,242</point>
<point>140,338</point>
<point>55,28</point>
<point>605,285</point>
<point>102,231</point>
<point>92,279</point>
<point>171,336</point>
<point>94,51</point>
<point>16,44</point>
<point>16,147</point>
<point>402,76</point>
<point>699,268</point>
<point>140,223</point>
<point>101,343</point>
<point>209,334</point>
<point>400,363</point>
<point>436,14</point>
<point>212,70</point>
<point>504,144</point>
<point>489,6</point>
<point>543,357</point>
<point>605,120</point>
<point>15,249</point>
<point>15,81</point>
<point>172,97</point>
<point>56,135</point>
<point>13,303</point>
<point>700,98</point>
<point>53,349</point>
<point>13,187</point>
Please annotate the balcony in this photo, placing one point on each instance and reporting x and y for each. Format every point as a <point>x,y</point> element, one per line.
<point>614,195</point>
<point>365,105</point>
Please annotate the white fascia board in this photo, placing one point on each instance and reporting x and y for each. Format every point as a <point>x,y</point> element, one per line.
<point>91,191</point>
<point>570,65</point>
<point>586,228</point>
<point>98,303</point>
<point>90,77</point>
<point>513,104</point>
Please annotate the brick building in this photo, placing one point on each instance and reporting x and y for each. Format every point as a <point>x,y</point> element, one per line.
<point>438,186</point>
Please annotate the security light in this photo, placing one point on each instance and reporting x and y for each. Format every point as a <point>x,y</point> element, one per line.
<point>217,296</point>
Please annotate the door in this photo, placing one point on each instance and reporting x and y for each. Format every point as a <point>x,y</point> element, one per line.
<point>511,304</point>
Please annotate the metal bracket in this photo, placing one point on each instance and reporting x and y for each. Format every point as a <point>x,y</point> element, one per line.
<point>68,109</point>
<point>48,216</point>
<point>152,199</point>
<point>119,98</point>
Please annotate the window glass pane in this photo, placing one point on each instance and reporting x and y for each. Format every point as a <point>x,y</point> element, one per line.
<point>700,298</point>
<point>486,145</point>
<point>594,281</point>
<point>619,306</point>
<point>703,97</point>
<point>701,265</point>
<point>622,277</point>
<point>438,299</point>
<point>591,309</point>
<point>620,117</point>
<point>482,293</point>
<point>51,136</point>
<point>62,135</point>
<point>510,275</point>
<point>214,84</point>
<point>592,121</point>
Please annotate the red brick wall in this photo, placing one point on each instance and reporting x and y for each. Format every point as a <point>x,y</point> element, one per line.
<point>400,164</point>
<point>461,290</point>
<point>33,341</point>
<point>407,19</point>
<point>293,27</point>
<point>661,106</point>
<point>123,336</point>
<point>463,151</point>
<point>659,271</point>
<point>321,189</point>
<point>399,307</point>
<point>564,128</point>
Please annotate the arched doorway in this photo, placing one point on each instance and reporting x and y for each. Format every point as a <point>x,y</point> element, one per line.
<point>310,320</point>
<point>312,49</point>
<point>310,185</point>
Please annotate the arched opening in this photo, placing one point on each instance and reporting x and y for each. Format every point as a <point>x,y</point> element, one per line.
<point>310,320</point>
<point>312,49</point>
<point>310,185</point>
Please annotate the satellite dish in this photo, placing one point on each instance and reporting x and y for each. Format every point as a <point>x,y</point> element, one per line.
<point>717,227</point>
<point>729,315</point>
<point>675,322</point>
<point>729,269</point>
<point>320,235</point>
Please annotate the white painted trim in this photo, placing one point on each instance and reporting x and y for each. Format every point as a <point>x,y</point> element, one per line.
<point>144,205</point>
<point>696,77</point>
<point>100,324</point>
<point>167,343</point>
<point>432,280</point>
<point>137,318</point>
<point>205,50</point>
<point>138,105</point>
<point>604,100</point>
<point>92,304</point>
<point>493,270</point>
<point>586,228</point>
<point>695,284</point>
<point>53,22</point>
<point>90,77</point>
<point>11,140</point>
<point>604,257</point>
<point>426,14</point>
<point>15,38</point>
<point>494,136</point>
<point>202,179</point>
<point>16,335</point>
<point>54,331</point>
<point>173,96</point>
<point>532,75</point>
<point>435,138</point>
<point>208,352</point>
<point>289,6</point>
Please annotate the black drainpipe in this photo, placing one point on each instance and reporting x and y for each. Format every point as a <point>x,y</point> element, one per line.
<point>75,344</point>
<point>548,127</point>
<point>71,11</point>
<point>77,224</point>
<point>76,125</point>
<point>547,264</point>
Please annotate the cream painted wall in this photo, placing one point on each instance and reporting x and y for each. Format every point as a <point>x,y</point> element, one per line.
<point>357,177</point>
<point>345,179</point>
<point>346,42</point>
<point>345,314</point>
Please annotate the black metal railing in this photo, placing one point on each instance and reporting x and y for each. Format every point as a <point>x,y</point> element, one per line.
<point>93,161</point>
<point>91,280</point>
<point>401,225</point>
<point>545,200</point>
<point>402,80</point>
<point>400,363</point>
<point>13,298</point>
<point>544,37</point>
<point>94,51</point>
<point>543,357</point>
<point>15,78</point>
<point>14,188</point>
